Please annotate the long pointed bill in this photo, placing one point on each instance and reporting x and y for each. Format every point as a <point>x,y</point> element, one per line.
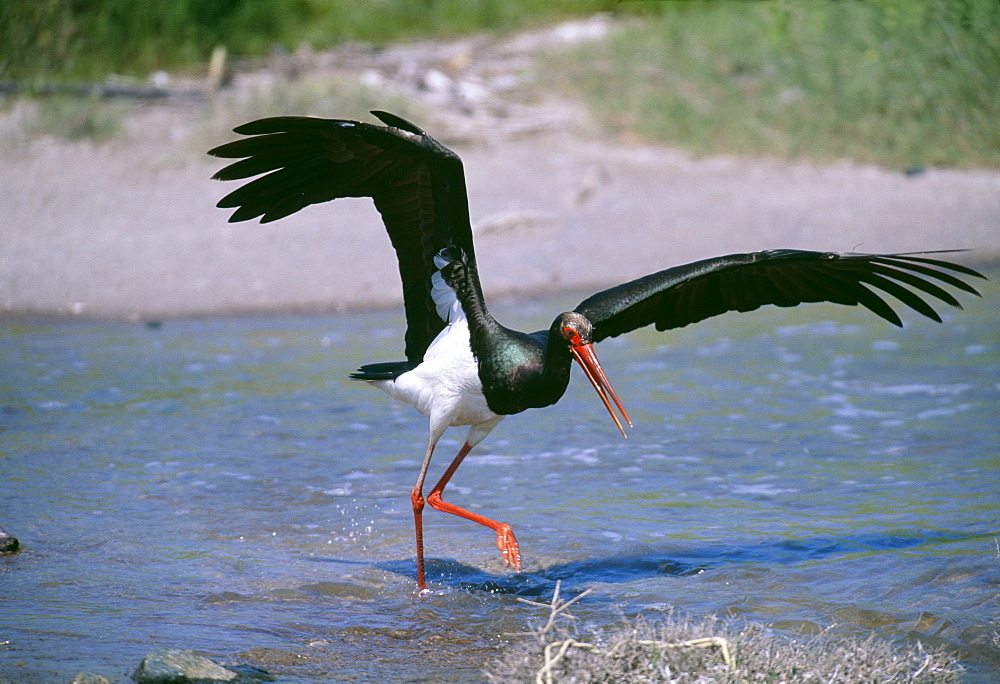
<point>585,356</point>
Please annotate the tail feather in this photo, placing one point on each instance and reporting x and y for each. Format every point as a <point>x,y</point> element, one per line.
<point>389,370</point>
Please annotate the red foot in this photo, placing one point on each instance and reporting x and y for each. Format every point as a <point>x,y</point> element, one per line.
<point>505,535</point>
<point>508,547</point>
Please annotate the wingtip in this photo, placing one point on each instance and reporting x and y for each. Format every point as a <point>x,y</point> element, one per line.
<point>257,125</point>
<point>395,121</point>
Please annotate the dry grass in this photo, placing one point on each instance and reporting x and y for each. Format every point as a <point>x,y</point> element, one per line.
<point>680,650</point>
<point>323,96</point>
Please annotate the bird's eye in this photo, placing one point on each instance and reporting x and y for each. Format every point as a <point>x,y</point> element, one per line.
<point>572,335</point>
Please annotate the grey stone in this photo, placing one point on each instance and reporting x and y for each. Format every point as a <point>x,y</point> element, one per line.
<point>173,666</point>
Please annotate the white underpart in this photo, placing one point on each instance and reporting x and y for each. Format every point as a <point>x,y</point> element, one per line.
<point>446,386</point>
<point>445,300</point>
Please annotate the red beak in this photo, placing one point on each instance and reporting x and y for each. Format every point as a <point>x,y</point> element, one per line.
<point>585,356</point>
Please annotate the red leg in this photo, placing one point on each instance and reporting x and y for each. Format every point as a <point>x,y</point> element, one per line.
<point>417,498</point>
<point>505,535</point>
<point>418,507</point>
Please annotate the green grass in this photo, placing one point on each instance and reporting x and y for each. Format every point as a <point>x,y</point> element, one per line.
<point>87,39</point>
<point>895,82</point>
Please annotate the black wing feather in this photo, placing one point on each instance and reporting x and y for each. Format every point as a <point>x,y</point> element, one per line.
<point>914,264</point>
<point>418,186</point>
<point>743,282</point>
<point>918,283</point>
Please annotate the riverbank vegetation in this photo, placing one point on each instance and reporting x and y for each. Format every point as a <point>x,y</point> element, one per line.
<point>88,39</point>
<point>892,82</point>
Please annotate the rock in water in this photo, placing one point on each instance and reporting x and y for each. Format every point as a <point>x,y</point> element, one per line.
<point>173,666</point>
<point>89,678</point>
<point>8,544</point>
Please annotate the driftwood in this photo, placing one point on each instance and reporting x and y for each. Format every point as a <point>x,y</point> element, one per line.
<point>101,90</point>
<point>219,74</point>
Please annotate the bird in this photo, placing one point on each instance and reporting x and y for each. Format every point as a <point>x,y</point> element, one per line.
<point>464,368</point>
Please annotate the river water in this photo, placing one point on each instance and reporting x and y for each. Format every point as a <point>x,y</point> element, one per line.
<point>220,485</point>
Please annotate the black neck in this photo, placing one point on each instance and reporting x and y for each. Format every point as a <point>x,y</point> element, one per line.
<point>462,276</point>
<point>517,371</point>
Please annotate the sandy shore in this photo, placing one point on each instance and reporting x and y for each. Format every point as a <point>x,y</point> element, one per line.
<point>107,232</point>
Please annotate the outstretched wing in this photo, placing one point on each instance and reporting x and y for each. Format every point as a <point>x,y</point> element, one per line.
<point>418,187</point>
<point>743,282</point>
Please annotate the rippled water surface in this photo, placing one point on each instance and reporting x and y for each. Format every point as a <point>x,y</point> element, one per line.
<point>219,485</point>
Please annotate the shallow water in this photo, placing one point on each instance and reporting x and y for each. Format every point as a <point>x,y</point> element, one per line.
<point>219,485</point>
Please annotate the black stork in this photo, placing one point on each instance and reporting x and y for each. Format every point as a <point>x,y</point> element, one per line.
<point>462,367</point>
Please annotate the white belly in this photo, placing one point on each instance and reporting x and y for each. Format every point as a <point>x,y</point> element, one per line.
<point>446,385</point>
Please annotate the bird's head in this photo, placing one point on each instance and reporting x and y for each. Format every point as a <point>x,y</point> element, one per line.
<point>577,332</point>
